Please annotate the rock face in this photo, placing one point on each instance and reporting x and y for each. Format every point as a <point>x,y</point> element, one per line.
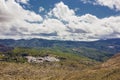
<point>32,59</point>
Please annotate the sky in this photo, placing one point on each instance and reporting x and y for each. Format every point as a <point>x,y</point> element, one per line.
<point>76,20</point>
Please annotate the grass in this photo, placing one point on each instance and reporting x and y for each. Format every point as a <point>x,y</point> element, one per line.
<point>25,71</point>
<point>16,68</point>
<point>54,71</point>
<point>74,67</point>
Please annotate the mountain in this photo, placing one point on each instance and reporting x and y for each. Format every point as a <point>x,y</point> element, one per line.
<point>4,48</point>
<point>70,69</point>
<point>15,66</point>
<point>98,50</point>
<point>108,70</point>
<point>111,45</point>
<point>113,62</point>
<point>77,60</point>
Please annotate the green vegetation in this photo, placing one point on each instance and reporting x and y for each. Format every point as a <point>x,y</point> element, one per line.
<point>18,55</point>
<point>14,66</point>
<point>111,46</point>
<point>92,53</point>
<point>97,50</point>
<point>61,71</point>
<point>78,60</point>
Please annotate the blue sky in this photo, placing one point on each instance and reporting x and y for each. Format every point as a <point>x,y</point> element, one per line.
<point>77,20</point>
<point>97,10</point>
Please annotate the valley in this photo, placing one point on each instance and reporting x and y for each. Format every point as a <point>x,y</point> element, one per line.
<point>58,60</point>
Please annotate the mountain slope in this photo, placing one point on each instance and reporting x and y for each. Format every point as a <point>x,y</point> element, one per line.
<point>108,70</point>
<point>113,62</point>
<point>97,50</point>
<point>110,45</point>
<point>15,67</point>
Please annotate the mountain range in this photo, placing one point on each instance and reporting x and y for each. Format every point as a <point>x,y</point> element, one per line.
<point>99,50</point>
<point>96,60</point>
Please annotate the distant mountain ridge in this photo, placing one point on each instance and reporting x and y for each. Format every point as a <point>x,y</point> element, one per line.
<point>98,50</point>
<point>4,48</point>
<point>112,45</point>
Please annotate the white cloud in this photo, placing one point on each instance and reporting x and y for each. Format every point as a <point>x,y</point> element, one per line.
<point>23,1</point>
<point>41,9</point>
<point>86,26</point>
<point>13,19</point>
<point>62,12</point>
<point>87,1</point>
<point>112,4</point>
<point>76,9</point>
<point>61,23</point>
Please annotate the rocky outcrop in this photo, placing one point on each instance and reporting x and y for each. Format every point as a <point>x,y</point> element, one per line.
<point>32,59</point>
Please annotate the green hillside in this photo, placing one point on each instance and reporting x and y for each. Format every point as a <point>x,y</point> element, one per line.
<point>73,67</point>
<point>13,65</point>
<point>80,62</point>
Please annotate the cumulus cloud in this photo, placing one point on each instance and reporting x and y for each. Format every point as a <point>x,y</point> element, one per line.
<point>13,19</point>
<point>61,23</point>
<point>62,12</point>
<point>87,26</point>
<point>112,4</point>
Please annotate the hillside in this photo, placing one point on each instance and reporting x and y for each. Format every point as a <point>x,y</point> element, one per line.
<point>14,65</point>
<point>98,50</point>
<point>105,45</point>
<point>69,62</point>
<point>4,48</point>
<point>113,62</point>
<point>66,70</point>
<point>108,70</point>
